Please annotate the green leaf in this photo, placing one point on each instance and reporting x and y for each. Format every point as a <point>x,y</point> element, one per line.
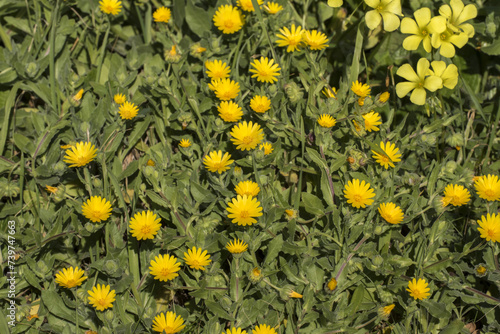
<point>437,310</point>
<point>274,248</point>
<point>453,328</point>
<point>198,19</point>
<point>312,204</point>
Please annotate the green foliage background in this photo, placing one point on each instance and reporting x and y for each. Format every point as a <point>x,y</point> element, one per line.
<point>52,49</point>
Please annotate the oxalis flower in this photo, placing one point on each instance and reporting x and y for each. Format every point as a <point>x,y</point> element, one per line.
<point>418,289</point>
<point>265,70</point>
<point>228,19</point>
<point>421,29</point>
<point>335,3</point>
<point>389,156</point>
<point>446,42</point>
<point>195,259</point>
<point>101,297</point>
<point>144,225</point>
<point>457,14</point>
<point>243,209</point>
<point>170,323</point>
<point>449,74</point>
<point>490,227</point>
<point>359,195</point>
<point>388,10</point>
<point>418,82</point>
<point>246,135</point>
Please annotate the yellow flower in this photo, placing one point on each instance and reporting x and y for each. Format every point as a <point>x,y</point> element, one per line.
<point>236,246</point>
<point>227,89</point>
<point>272,7</point>
<point>101,298</point>
<point>80,154</point>
<point>385,311</point>
<point>246,135</point>
<point>230,111</point>
<point>449,74</point>
<point>215,162</point>
<point>481,270</point>
<point>455,195</point>
<point>388,10</point>
<point>361,90</point>
<point>488,187</point>
<point>446,40</point>
<point>255,275</point>
<point>391,213</point>
<point>70,277</point>
<point>150,163</point>
<point>65,147</point>
<point>172,56</point>
<point>144,225</point>
<point>267,147</point>
<point>316,40</point>
<point>421,29</point>
<point>235,330</point>
<point>265,70</point>
<point>335,3</point>
<point>195,259</point>
<point>457,15</point>
<point>390,155</point>
<point>243,209</point>
<point>358,194</point>
<point>330,93</point>
<point>332,284</point>
<point>490,227</point>
<point>78,96</point>
<point>111,6</point>
<point>290,39</point>
<point>418,289</point>
<point>417,82</point>
<point>248,188</point>
<point>384,97</point>
<point>260,104</point>
<point>185,143</point>
<point>294,294</point>
<point>228,19</point>
<point>50,189</point>
<point>216,69</point>
<point>291,214</point>
<point>162,14</point>
<point>326,121</point>
<point>263,329</point>
<point>170,323</point>
<point>119,98</point>
<point>197,50</point>
<point>96,209</point>
<point>247,5</point>
<point>128,110</point>
<point>214,84</point>
<point>164,267</point>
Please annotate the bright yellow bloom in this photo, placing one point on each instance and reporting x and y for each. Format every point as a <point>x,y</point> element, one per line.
<point>265,70</point>
<point>185,143</point>
<point>50,189</point>
<point>150,163</point>
<point>335,3</point>
<point>128,110</point>
<point>101,298</point>
<point>267,147</point>
<point>490,227</point>
<point>255,275</point>
<point>110,6</point>
<point>291,214</point>
<point>228,19</point>
<point>260,104</point>
<point>332,284</point>
<point>236,246</point>
<point>418,289</point>
<point>164,267</point>
<point>446,42</point>
<point>315,40</point>
<point>229,111</point>
<point>172,56</point>
<point>294,294</point>
<point>330,93</point>
<point>457,15</point>
<point>70,277</point>
<point>455,195</point>
<point>195,259</point>
<point>65,147</point>
<point>481,270</point>
<point>162,14</point>
<point>216,69</point>
<point>214,84</point>
<point>78,96</point>
<point>248,188</point>
<point>385,311</point>
<point>227,89</point>
<point>97,209</point>
<point>388,10</point>
<point>247,5</point>
<point>391,213</point>
<point>246,135</point>
<point>119,98</point>
<point>272,7</point>
<point>384,97</point>
<point>488,187</point>
<point>263,329</point>
<point>215,162</point>
<point>361,90</point>
<point>449,74</point>
<point>326,121</point>
<point>170,323</point>
<point>80,154</point>
<point>421,29</point>
<point>144,225</point>
<point>243,209</point>
<point>389,156</point>
<point>290,39</point>
<point>358,194</point>
<point>417,82</point>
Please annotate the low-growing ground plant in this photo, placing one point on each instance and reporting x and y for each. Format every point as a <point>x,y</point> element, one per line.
<point>249,166</point>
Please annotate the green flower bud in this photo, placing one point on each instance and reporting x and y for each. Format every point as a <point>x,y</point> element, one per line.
<point>294,92</point>
<point>97,182</point>
<point>226,303</point>
<point>84,127</point>
<point>457,139</point>
<point>111,267</point>
<point>59,167</point>
<point>31,69</point>
<point>110,315</point>
<point>377,260</point>
<point>149,171</point>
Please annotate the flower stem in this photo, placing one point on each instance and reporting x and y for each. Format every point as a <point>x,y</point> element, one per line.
<point>103,51</point>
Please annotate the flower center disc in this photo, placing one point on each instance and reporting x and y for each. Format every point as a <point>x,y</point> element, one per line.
<point>247,140</point>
